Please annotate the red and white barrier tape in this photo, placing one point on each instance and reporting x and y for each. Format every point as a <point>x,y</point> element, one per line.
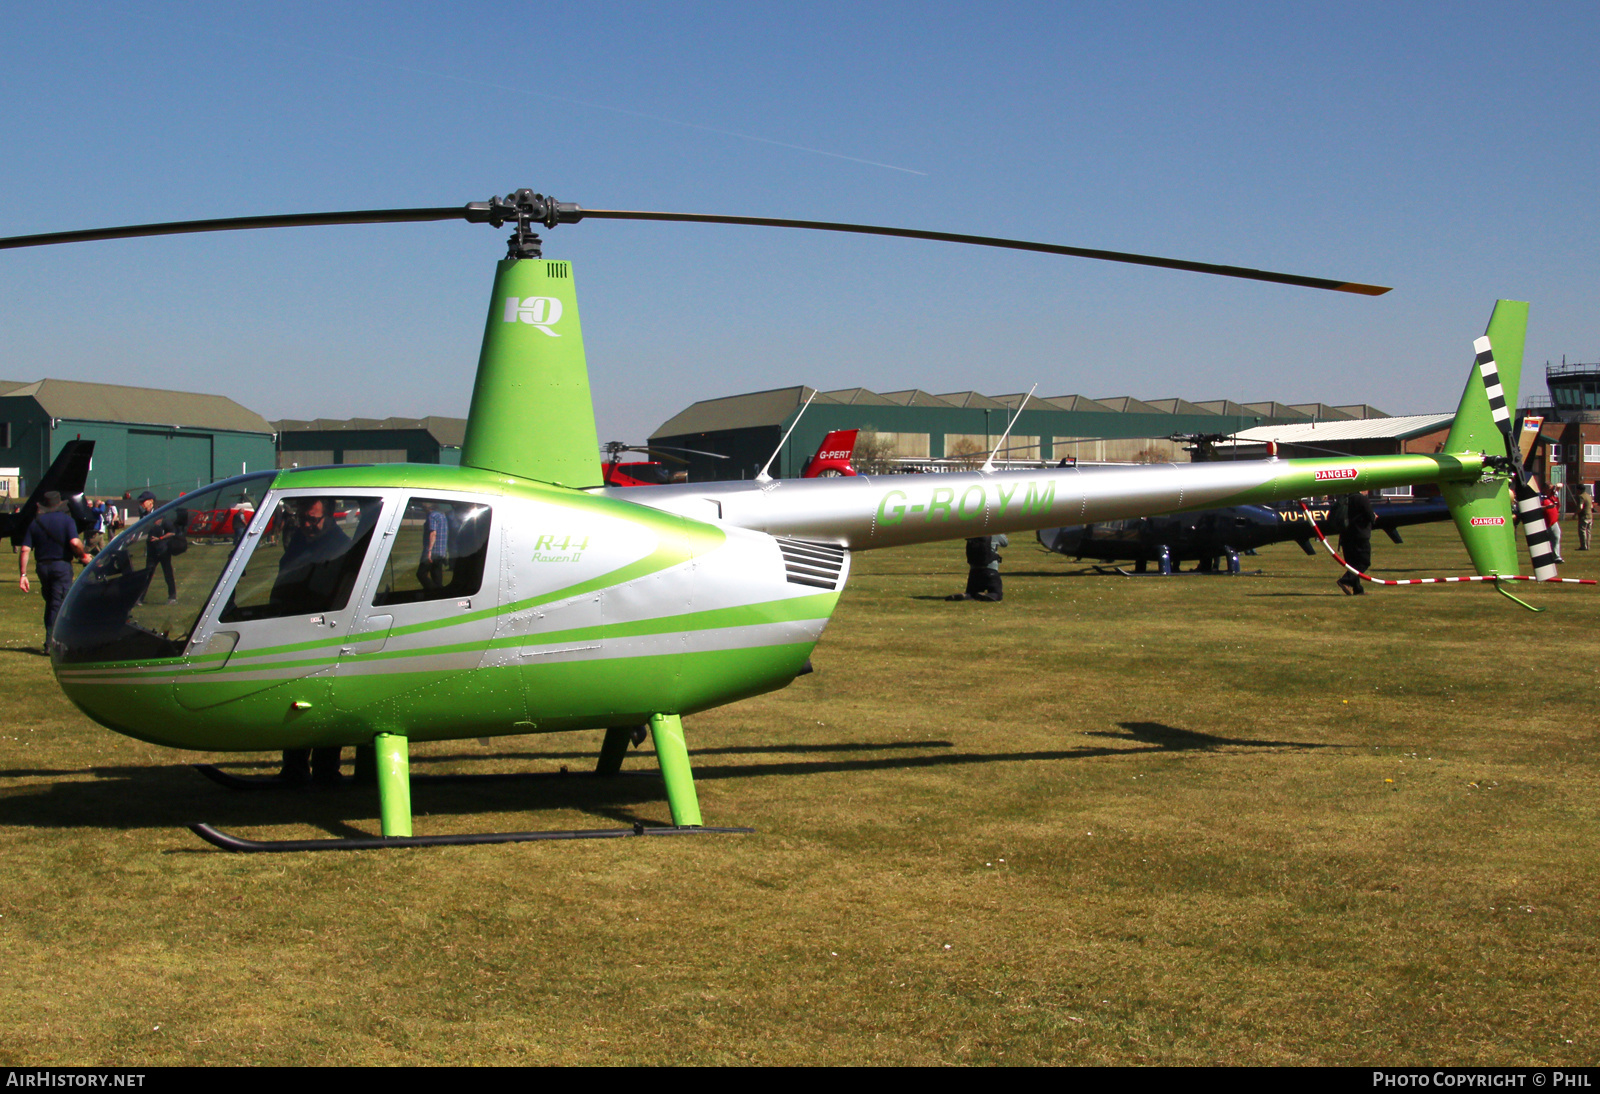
<point>1439,580</point>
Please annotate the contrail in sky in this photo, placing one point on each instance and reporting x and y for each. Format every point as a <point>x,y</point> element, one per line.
<point>583,103</point>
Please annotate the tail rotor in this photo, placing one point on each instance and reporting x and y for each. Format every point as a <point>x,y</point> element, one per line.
<point>1530,510</point>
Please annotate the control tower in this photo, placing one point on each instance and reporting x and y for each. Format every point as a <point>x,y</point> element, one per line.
<point>1574,391</point>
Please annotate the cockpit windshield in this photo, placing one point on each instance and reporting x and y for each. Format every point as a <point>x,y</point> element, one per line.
<point>142,596</point>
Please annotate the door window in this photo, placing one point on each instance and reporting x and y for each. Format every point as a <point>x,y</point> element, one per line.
<point>438,553</point>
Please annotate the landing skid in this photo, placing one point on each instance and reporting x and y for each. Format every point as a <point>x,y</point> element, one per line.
<point>368,843</point>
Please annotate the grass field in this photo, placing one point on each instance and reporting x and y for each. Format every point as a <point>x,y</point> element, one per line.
<point>1190,820</point>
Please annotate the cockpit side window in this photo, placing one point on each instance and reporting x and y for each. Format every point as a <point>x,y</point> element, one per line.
<point>308,558</point>
<point>438,553</point>
<point>143,594</point>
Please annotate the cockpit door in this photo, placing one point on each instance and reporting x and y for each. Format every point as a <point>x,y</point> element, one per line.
<point>287,603</point>
<point>428,609</point>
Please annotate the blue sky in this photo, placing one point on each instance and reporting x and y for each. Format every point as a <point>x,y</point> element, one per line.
<point>1448,150</point>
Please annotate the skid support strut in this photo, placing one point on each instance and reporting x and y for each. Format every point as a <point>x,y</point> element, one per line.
<point>614,748</point>
<point>394,798</point>
<point>394,783</point>
<point>672,753</point>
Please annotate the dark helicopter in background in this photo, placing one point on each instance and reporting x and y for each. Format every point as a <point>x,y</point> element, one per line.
<point>1210,537</point>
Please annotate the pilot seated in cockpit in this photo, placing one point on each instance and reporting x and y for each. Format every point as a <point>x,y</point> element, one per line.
<point>312,573</point>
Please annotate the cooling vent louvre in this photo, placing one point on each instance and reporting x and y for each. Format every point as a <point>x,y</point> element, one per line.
<point>555,269</point>
<point>816,564</point>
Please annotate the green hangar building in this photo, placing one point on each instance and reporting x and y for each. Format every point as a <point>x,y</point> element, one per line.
<point>370,440</point>
<point>916,431</point>
<point>167,442</point>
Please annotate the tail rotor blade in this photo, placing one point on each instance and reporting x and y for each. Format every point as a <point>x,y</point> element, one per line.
<point>1530,510</point>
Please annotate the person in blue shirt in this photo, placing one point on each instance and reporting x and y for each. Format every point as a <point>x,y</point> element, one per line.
<point>96,538</point>
<point>435,548</point>
<point>53,536</point>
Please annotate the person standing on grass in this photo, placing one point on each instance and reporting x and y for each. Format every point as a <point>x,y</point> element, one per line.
<point>158,550</point>
<point>983,569</point>
<point>54,535</point>
<point>1355,543</point>
<point>1585,516</point>
<point>1550,499</point>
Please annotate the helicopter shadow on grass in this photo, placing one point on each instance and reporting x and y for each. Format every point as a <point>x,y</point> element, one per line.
<point>1172,739</point>
<point>173,796</point>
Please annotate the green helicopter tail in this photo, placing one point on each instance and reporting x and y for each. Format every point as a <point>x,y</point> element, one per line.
<point>532,413</point>
<point>1482,509</point>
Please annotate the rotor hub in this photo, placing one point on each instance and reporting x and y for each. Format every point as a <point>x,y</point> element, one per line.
<point>524,208</point>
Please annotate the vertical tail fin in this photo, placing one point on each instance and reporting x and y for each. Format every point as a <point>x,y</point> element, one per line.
<point>833,455</point>
<point>532,414</point>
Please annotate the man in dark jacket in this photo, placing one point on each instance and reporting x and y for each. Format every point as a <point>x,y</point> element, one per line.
<point>158,549</point>
<point>1355,542</point>
<point>983,569</point>
<point>53,535</point>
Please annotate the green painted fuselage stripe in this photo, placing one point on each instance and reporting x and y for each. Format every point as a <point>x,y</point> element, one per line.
<point>787,610</point>
<point>1303,478</point>
<point>585,693</point>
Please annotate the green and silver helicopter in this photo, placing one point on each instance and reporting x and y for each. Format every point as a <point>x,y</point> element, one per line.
<point>379,605</point>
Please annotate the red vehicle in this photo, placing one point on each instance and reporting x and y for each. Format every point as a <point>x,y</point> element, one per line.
<point>833,456</point>
<point>832,459</point>
<point>227,524</point>
<point>639,472</point>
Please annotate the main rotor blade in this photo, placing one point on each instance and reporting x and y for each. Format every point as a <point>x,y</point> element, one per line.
<point>232,224</point>
<point>551,212</point>
<point>992,241</point>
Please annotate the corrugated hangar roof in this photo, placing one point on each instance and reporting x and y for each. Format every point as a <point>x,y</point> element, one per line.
<point>1179,406</point>
<point>973,399</point>
<point>775,406</point>
<point>1277,410</point>
<point>1127,404</point>
<point>1076,402</point>
<point>914,397</point>
<point>1227,408</point>
<point>1399,428</point>
<point>139,405</point>
<point>856,396</point>
<point>738,411</point>
<point>447,431</point>
<point>1323,412</point>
